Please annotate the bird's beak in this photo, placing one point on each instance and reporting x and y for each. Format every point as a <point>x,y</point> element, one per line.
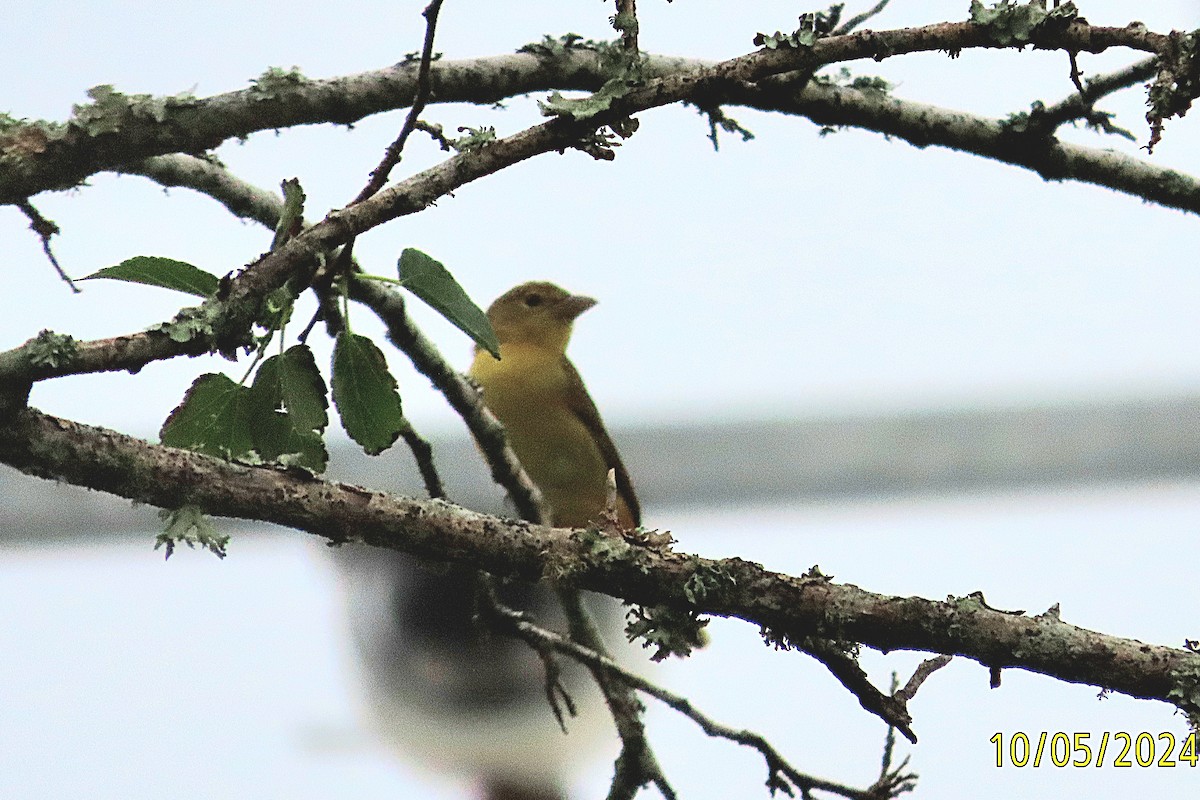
<point>571,306</point>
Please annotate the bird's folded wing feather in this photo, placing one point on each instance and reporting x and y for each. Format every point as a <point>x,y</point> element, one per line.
<point>585,409</point>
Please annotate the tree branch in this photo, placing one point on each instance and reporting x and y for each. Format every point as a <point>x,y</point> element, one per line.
<point>1080,105</point>
<point>923,125</point>
<point>626,23</point>
<point>848,673</point>
<point>919,124</point>
<point>37,156</point>
<point>788,608</point>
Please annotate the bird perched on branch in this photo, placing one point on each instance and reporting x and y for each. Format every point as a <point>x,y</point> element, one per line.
<point>440,687</point>
<point>552,423</point>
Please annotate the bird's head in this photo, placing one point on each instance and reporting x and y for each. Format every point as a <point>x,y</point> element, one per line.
<point>537,313</point>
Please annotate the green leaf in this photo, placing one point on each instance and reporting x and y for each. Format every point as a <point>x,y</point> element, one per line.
<point>165,272</point>
<point>278,440</point>
<point>302,389</point>
<point>365,393</point>
<point>215,418</point>
<point>290,410</point>
<point>430,281</point>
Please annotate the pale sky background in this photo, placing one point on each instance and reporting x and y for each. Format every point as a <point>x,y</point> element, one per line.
<point>789,276</point>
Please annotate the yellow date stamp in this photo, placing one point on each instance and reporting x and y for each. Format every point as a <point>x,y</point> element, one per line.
<point>1082,749</point>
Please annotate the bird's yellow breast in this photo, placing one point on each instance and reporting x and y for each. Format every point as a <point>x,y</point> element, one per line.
<point>529,391</point>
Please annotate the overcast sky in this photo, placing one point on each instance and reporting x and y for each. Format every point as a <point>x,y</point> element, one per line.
<point>787,276</point>
<point>784,276</point>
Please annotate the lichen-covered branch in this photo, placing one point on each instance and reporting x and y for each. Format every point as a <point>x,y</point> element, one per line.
<point>788,608</point>
<point>923,125</point>
<point>119,130</point>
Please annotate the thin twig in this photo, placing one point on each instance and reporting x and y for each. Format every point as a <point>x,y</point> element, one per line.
<point>302,338</point>
<point>435,132</point>
<point>391,156</point>
<point>520,625</point>
<point>46,228</point>
<point>859,19</point>
<point>636,765</point>
<point>501,617</point>
<point>893,783</point>
<point>1076,75</point>
<point>1079,105</point>
<point>403,333</point>
<point>923,671</point>
<point>626,22</point>
<point>423,453</point>
<point>852,676</point>
<point>889,739</point>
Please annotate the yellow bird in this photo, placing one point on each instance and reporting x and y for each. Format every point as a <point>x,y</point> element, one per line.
<point>552,423</point>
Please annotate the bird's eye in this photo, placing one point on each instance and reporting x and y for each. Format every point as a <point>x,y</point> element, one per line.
<point>533,300</point>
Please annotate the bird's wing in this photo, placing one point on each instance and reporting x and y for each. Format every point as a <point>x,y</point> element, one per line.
<point>582,405</point>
